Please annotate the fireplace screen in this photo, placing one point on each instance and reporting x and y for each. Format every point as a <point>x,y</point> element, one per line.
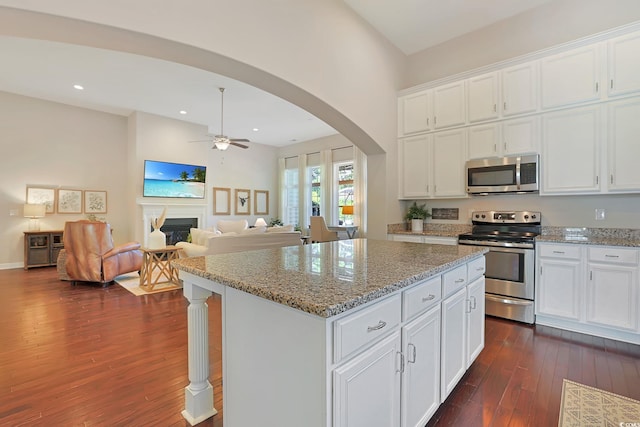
<point>177,229</point>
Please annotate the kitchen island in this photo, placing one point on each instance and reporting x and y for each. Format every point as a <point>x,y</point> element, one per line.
<point>311,334</point>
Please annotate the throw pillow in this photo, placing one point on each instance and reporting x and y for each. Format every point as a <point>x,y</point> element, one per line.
<point>227,226</point>
<point>281,229</point>
<point>255,230</point>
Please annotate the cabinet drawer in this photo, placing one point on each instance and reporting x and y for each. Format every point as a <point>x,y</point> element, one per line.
<point>354,332</point>
<point>613,255</point>
<point>421,297</point>
<point>454,280</point>
<point>560,251</point>
<point>475,268</point>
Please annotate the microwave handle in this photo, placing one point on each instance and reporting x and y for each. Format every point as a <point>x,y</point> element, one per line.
<point>518,172</point>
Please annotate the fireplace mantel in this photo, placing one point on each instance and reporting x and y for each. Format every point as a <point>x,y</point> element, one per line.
<point>152,210</point>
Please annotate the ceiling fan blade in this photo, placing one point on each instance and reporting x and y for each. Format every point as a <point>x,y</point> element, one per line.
<point>239,140</point>
<point>238,145</point>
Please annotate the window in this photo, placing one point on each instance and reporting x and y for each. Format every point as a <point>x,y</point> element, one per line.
<point>292,205</point>
<point>316,188</point>
<point>344,175</point>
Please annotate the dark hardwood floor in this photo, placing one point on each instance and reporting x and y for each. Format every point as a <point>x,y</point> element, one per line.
<point>91,356</point>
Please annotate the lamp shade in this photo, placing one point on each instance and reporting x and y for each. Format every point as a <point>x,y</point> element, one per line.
<point>347,210</point>
<point>34,211</point>
<point>260,222</point>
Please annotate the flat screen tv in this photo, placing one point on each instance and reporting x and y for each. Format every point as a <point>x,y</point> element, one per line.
<point>164,179</point>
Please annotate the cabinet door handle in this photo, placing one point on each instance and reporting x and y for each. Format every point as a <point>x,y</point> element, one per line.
<point>468,309</point>
<point>591,275</point>
<point>428,298</point>
<point>612,178</point>
<point>495,108</point>
<point>474,304</point>
<point>596,87</point>
<point>505,105</point>
<point>597,179</point>
<point>611,83</point>
<point>427,121</point>
<point>411,350</point>
<point>381,324</point>
<point>435,120</point>
<point>459,280</point>
<point>401,370</point>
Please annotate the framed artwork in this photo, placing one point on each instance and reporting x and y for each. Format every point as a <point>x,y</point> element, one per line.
<point>69,201</point>
<point>260,202</point>
<point>221,201</point>
<point>95,202</point>
<point>243,202</point>
<point>42,195</point>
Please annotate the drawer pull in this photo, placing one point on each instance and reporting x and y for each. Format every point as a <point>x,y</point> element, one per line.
<point>459,280</point>
<point>429,298</point>
<point>379,326</point>
<point>558,252</point>
<point>412,353</point>
<point>480,269</point>
<point>611,256</point>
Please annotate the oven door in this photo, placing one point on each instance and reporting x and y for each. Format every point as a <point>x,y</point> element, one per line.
<point>510,272</point>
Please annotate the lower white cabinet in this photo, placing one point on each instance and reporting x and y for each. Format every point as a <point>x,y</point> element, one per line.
<point>589,289</point>
<point>421,378</point>
<point>366,390</point>
<point>475,320</point>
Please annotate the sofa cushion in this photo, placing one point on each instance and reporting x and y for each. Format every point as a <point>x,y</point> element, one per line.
<point>200,236</point>
<point>281,229</point>
<point>255,230</point>
<point>227,226</point>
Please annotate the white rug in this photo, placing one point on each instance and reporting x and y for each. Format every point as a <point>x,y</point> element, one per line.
<point>131,282</point>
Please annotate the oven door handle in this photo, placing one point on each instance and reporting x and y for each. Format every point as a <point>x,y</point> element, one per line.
<point>507,300</point>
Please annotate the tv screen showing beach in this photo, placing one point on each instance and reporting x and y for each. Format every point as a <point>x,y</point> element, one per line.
<point>163,179</point>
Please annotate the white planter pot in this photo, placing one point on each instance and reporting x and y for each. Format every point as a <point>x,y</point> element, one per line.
<point>417,225</point>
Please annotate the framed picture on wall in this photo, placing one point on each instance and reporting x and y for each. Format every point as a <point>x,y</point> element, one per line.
<point>221,201</point>
<point>42,196</point>
<point>69,201</point>
<point>260,202</point>
<point>243,202</point>
<point>95,202</point>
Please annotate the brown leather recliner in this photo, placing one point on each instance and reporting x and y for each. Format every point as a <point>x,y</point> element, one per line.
<point>91,256</point>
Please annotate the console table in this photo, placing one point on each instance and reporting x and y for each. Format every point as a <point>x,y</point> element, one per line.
<point>41,248</point>
<point>351,230</point>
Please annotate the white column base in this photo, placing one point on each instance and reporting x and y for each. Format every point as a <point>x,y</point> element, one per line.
<point>198,405</point>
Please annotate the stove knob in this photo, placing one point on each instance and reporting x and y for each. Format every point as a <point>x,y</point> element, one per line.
<point>526,217</point>
<point>484,216</point>
<point>477,216</point>
<point>533,217</point>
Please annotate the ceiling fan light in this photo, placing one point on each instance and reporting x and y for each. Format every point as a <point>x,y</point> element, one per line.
<point>222,145</point>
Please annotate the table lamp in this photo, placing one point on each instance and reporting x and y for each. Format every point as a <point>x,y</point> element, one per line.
<point>260,222</point>
<point>33,212</point>
<point>347,210</point>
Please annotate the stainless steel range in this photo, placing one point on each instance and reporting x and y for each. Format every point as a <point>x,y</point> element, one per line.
<point>510,262</point>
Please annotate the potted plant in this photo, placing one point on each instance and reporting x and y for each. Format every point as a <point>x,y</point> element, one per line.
<point>416,214</point>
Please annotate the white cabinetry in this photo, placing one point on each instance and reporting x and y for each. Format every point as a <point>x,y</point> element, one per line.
<point>622,145</point>
<point>377,369</point>
<point>520,89</point>
<point>559,281</point>
<point>414,113</point>
<point>511,137</point>
<point>475,320</point>
<point>571,77</point>
<point>589,289</point>
<point>449,105</point>
<point>414,157</point>
<point>432,165</point>
<point>612,288</point>
<point>483,97</point>
<point>570,151</point>
<point>624,65</point>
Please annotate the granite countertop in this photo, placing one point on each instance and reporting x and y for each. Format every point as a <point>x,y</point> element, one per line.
<point>443,230</point>
<point>629,237</point>
<point>590,240</point>
<point>326,279</point>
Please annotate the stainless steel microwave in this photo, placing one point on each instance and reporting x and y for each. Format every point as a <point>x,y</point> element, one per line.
<point>503,175</point>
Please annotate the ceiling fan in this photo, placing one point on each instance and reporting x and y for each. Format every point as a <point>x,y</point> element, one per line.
<point>222,142</point>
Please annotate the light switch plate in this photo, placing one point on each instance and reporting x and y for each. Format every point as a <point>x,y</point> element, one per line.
<point>600,215</point>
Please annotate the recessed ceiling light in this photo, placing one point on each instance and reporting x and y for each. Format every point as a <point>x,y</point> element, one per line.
<point>256,129</point>
<point>183,112</point>
<point>78,87</point>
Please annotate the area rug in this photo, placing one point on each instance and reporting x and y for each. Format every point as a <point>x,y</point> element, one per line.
<point>131,282</point>
<point>584,406</point>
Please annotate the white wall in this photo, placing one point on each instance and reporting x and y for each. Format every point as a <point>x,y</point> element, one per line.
<point>55,145</point>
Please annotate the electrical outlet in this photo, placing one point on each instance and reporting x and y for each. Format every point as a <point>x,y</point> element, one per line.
<point>13,212</point>
<point>600,215</point>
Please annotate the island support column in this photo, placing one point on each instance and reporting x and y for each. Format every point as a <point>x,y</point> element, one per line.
<point>198,395</point>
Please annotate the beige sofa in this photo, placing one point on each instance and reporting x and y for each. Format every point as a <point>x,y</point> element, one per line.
<point>206,242</point>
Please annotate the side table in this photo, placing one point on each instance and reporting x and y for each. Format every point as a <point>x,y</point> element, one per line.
<point>160,261</point>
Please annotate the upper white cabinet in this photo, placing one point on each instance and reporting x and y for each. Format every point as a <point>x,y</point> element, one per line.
<point>623,65</point>
<point>485,141</point>
<point>414,113</point>
<point>520,89</point>
<point>571,77</point>
<point>449,155</point>
<point>482,101</point>
<point>449,105</point>
<point>414,170</point>
<point>623,145</point>
<point>510,137</point>
<point>570,151</point>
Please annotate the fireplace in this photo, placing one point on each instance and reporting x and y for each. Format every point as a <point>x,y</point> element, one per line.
<point>177,229</point>
<point>194,213</point>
